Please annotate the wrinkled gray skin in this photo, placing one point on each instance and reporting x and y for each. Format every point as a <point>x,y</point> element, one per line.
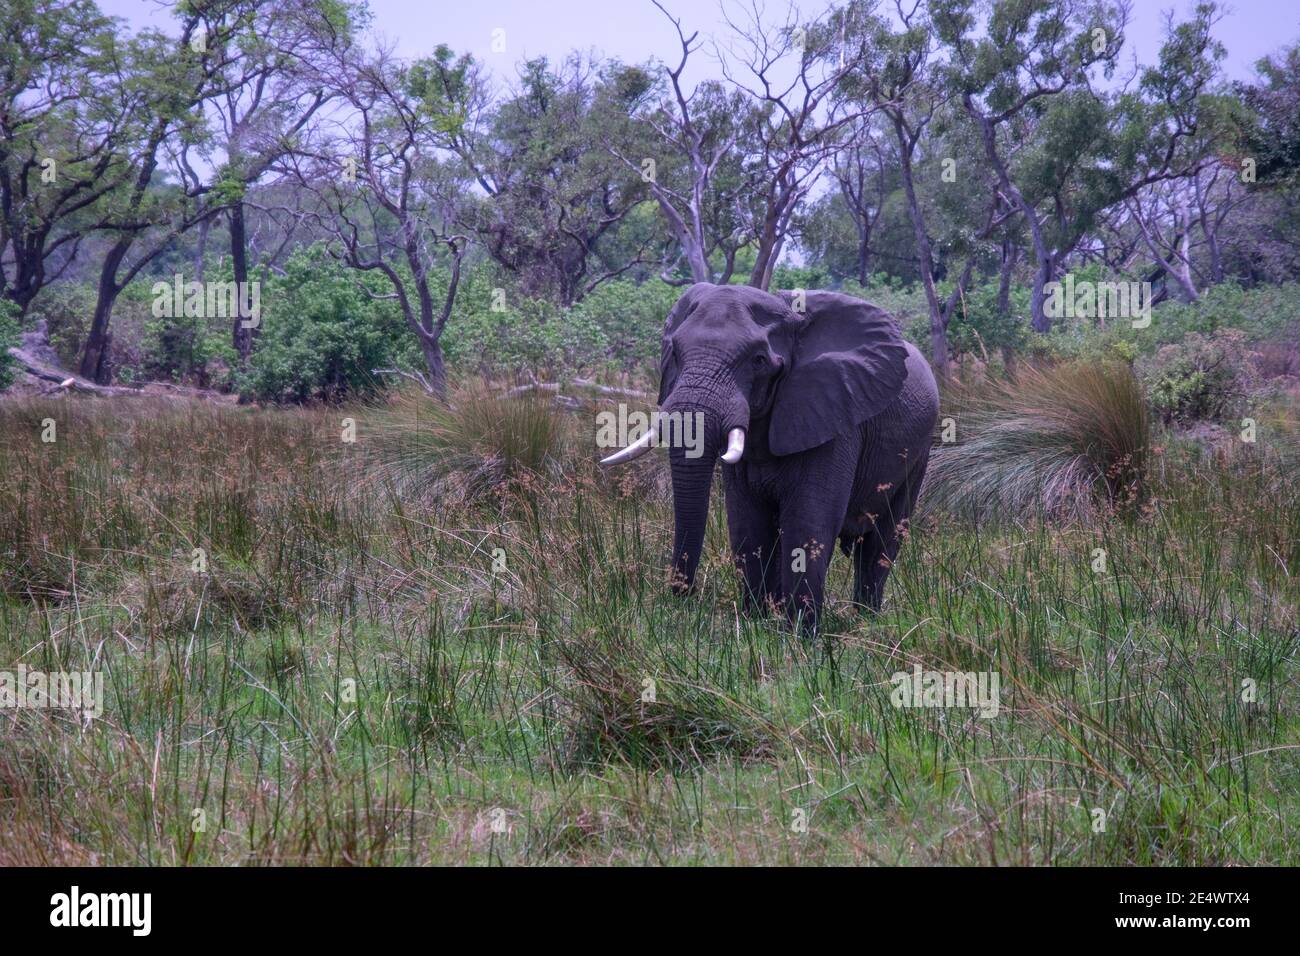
<point>838,413</point>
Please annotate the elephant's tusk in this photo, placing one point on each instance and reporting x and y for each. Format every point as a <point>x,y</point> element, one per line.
<point>632,451</point>
<point>735,446</point>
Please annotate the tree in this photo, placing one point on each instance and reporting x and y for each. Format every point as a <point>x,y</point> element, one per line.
<point>554,197</point>
<point>64,116</point>
<point>388,186</point>
<point>1030,51</point>
<point>1273,142</point>
<point>861,172</point>
<point>794,126</point>
<point>269,93</point>
<point>695,173</point>
<point>166,80</point>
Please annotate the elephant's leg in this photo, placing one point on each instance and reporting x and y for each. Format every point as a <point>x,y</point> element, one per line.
<point>775,589</point>
<point>809,529</point>
<point>874,567</point>
<point>866,553</point>
<point>805,558</point>
<point>751,525</point>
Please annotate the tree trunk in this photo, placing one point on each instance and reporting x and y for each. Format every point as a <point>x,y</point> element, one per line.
<point>436,366</point>
<point>1043,275</point>
<point>864,255</point>
<point>96,357</point>
<point>762,272</point>
<point>924,254</point>
<point>200,249</point>
<point>1183,263</point>
<point>1009,255</point>
<point>242,335</point>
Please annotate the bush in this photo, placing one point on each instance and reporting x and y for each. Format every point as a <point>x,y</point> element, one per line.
<point>322,334</point>
<point>630,319</point>
<point>1280,358</point>
<point>979,328</point>
<point>8,339</point>
<point>1201,379</point>
<point>1052,440</point>
<point>1263,313</point>
<point>191,349</point>
<point>66,308</point>
<point>616,326</point>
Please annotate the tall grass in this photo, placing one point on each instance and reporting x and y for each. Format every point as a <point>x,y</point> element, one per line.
<point>1056,441</point>
<point>471,446</point>
<point>357,678</point>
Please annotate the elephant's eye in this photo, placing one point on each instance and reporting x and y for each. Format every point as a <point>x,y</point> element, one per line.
<point>760,361</point>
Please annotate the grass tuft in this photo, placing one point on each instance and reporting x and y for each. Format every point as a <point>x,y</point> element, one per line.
<point>1056,441</point>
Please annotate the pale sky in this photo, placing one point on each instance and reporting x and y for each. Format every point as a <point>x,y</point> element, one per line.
<point>634,30</point>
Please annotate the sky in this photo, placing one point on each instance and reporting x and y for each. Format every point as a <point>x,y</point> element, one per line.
<point>634,30</point>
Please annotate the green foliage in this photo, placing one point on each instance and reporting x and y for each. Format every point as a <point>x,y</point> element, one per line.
<point>630,319</point>
<point>195,350</point>
<point>1202,378</point>
<point>66,308</point>
<point>321,333</point>
<point>800,277</point>
<point>442,84</point>
<point>1263,313</point>
<point>617,326</point>
<point>979,327</point>
<point>1274,138</point>
<point>8,338</point>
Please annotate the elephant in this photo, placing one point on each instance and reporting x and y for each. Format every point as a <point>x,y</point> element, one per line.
<point>823,417</point>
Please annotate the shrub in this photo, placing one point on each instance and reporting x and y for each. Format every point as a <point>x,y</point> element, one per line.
<point>196,350</point>
<point>1201,379</point>
<point>1263,313</point>
<point>8,339</point>
<point>978,327</point>
<point>630,319</point>
<point>1280,358</point>
<point>618,324</point>
<point>1051,441</point>
<point>322,334</point>
<point>66,308</point>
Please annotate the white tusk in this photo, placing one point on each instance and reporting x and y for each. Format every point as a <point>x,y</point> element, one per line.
<point>735,446</point>
<point>632,451</point>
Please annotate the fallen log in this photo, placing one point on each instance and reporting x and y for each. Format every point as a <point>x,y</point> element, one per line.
<point>583,383</point>
<point>62,379</point>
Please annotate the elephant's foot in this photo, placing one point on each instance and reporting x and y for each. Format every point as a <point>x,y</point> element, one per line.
<point>803,616</point>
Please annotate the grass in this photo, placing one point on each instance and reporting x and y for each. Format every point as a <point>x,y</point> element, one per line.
<point>1054,442</point>
<point>369,675</point>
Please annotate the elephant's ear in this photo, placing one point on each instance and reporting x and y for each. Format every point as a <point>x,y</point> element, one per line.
<point>667,370</point>
<point>848,363</point>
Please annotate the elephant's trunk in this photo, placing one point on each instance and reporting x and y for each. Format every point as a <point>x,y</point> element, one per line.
<point>720,415</point>
<point>692,483</point>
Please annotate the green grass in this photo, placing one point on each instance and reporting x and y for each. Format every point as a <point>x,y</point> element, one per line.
<point>498,714</point>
